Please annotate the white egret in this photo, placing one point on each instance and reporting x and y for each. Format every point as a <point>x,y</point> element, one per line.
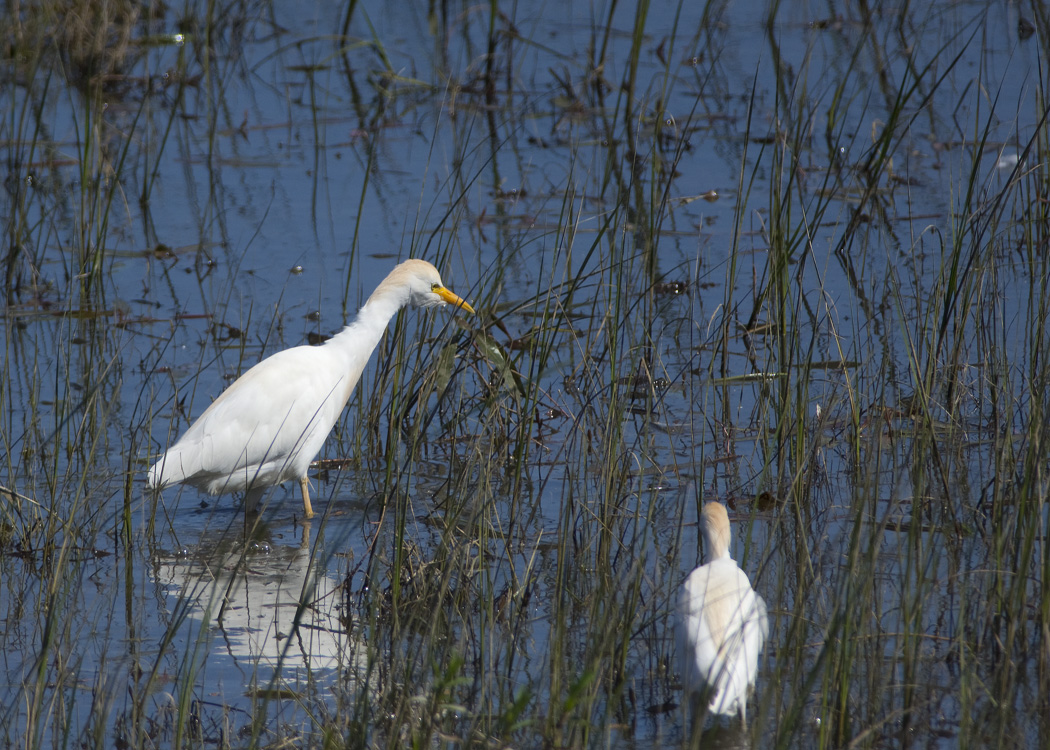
<point>269,424</point>
<point>720,623</point>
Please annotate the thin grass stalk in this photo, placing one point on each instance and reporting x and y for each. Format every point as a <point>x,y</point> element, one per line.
<point>18,227</point>
<point>151,172</point>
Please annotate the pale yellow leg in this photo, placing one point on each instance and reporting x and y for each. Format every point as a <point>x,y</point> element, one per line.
<point>304,485</point>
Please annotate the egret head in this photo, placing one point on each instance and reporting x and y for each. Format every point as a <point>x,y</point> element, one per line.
<point>421,283</point>
<point>714,524</point>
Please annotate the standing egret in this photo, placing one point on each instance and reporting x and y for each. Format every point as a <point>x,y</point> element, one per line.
<point>720,623</point>
<point>267,427</point>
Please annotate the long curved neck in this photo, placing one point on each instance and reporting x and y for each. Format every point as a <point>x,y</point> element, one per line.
<point>392,293</point>
<point>716,544</point>
<point>356,342</point>
<point>361,336</point>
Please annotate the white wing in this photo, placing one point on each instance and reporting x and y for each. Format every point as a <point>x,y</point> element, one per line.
<point>263,429</point>
<point>721,625</point>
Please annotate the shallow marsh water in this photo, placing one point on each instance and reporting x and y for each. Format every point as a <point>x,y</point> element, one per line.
<point>789,258</point>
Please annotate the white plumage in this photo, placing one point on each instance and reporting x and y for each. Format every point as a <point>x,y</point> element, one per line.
<point>269,424</point>
<point>720,623</point>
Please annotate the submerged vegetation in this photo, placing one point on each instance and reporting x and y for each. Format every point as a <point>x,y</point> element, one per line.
<point>790,261</point>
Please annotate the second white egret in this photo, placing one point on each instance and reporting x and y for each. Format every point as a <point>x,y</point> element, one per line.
<point>721,623</point>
